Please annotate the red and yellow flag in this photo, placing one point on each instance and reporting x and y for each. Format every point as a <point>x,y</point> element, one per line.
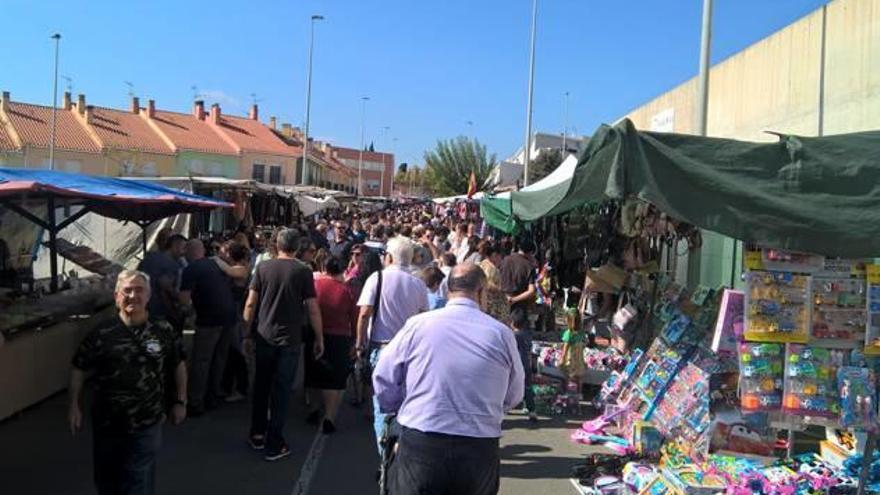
<point>472,185</point>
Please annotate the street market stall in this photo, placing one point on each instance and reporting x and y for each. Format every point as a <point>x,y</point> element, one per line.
<point>41,321</point>
<point>726,370</point>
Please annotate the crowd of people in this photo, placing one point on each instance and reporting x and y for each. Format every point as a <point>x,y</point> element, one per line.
<point>430,303</point>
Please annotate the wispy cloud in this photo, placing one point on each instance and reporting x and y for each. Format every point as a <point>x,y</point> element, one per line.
<point>221,97</point>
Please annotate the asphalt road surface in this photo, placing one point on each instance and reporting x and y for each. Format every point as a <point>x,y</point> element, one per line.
<point>209,455</point>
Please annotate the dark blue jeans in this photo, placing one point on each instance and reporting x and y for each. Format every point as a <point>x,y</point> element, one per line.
<point>125,462</point>
<point>275,371</point>
<point>524,346</point>
<point>436,463</point>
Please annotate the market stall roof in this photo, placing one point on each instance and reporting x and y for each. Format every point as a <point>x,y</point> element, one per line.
<point>108,196</point>
<point>213,182</point>
<point>815,194</point>
<point>559,175</point>
<point>461,197</point>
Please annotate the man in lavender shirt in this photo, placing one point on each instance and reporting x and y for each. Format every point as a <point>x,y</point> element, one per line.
<point>450,375</point>
<point>388,299</point>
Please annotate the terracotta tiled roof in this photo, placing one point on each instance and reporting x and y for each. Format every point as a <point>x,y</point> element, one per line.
<point>6,143</point>
<point>251,135</point>
<point>369,156</point>
<point>33,124</point>
<point>189,133</point>
<point>125,130</point>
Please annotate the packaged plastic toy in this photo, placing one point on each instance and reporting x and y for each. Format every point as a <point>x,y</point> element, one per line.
<point>761,376</point>
<point>811,381</point>
<point>858,393</point>
<point>777,307</point>
<point>872,337</point>
<point>839,311</point>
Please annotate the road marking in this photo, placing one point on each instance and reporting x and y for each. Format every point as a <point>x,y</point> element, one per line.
<point>577,486</point>
<point>310,466</point>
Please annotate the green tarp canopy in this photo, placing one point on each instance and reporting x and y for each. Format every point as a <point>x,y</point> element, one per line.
<point>814,194</point>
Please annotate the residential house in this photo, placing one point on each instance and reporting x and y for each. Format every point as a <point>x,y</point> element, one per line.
<point>263,156</point>
<point>325,168</point>
<point>25,137</point>
<point>129,145</point>
<point>376,169</point>
<point>200,149</point>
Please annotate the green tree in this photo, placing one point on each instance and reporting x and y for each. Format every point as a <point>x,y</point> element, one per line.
<point>409,181</point>
<point>548,160</point>
<point>448,167</point>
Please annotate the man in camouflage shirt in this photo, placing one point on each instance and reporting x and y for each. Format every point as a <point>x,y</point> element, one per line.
<point>130,360</point>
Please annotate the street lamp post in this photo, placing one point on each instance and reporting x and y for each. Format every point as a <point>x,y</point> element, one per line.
<point>527,148</point>
<point>306,170</point>
<point>694,259</point>
<point>382,174</point>
<point>57,38</point>
<point>565,124</point>
<point>364,100</point>
<point>703,88</point>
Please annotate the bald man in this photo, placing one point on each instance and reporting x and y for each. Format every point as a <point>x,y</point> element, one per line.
<point>450,375</point>
<point>209,291</point>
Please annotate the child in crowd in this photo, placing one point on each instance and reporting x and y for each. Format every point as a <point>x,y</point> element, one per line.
<point>572,346</point>
<point>433,278</point>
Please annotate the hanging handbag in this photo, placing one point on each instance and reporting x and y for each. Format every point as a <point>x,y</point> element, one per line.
<point>625,313</point>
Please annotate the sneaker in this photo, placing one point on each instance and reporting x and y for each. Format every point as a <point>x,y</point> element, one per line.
<point>257,442</point>
<point>234,397</point>
<point>314,417</point>
<point>328,427</point>
<point>533,417</point>
<point>277,455</point>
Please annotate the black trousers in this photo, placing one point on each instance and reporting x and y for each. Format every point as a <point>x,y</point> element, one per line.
<point>437,464</point>
<point>125,462</point>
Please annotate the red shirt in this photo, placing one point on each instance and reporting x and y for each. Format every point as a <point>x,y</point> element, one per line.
<point>338,306</point>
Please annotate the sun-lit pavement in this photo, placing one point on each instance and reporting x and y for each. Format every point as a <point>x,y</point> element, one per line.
<point>209,455</point>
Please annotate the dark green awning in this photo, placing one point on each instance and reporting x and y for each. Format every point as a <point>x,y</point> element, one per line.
<point>817,194</point>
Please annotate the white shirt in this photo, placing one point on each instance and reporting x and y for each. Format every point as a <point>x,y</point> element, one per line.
<point>403,296</point>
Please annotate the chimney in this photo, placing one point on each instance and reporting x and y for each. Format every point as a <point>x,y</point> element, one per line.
<point>199,109</point>
<point>65,102</point>
<point>254,113</point>
<point>273,123</point>
<point>151,109</point>
<point>90,111</point>
<point>286,130</point>
<point>215,114</point>
<point>135,105</point>
<point>4,101</point>
<point>81,103</point>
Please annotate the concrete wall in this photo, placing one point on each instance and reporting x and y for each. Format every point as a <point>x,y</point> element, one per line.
<point>779,84</point>
<point>65,160</point>
<point>133,163</point>
<point>288,165</point>
<point>207,164</point>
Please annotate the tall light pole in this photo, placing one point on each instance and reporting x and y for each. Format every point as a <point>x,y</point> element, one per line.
<point>364,100</point>
<point>527,148</point>
<point>703,84</point>
<point>694,259</point>
<point>564,124</point>
<point>306,170</point>
<point>57,38</point>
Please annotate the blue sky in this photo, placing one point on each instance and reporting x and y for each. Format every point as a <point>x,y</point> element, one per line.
<point>429,67</point>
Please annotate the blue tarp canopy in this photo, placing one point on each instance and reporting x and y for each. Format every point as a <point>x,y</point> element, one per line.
<point>141,202</point>
<point>30,193</point>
